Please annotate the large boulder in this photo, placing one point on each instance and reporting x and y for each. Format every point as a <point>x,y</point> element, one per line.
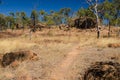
<point>85,23</point>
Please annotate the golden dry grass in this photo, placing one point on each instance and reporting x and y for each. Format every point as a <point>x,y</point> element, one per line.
<point>55,36</point>
<point>51,45</point>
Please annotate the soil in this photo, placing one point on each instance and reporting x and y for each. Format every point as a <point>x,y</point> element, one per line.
<point>60,72</point>
<point>74,65</point>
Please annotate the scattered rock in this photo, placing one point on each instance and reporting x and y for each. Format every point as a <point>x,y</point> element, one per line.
<point>103,71</point>
<point>85,23</point>
<point>11,57</point>
<point>114,45</point>
<point>114,58</point>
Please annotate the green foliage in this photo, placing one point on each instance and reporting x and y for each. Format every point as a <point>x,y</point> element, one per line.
<point>109,9</point>
<point>81,12</point>
<point>42,15</point>
<point>34,13</point>
<point>2,20</point>
<point>85,13</point>
<point>18,18</point>
<point>57,18</point>
<point>10,20</point>
<point>70,22</point>
<point>65,13</point>
<point>24,18</point>
<point>50,22</point>
<point>42,12</point>
<point>34,17</point>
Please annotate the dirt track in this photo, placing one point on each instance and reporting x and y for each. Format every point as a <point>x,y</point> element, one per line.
<point>78,60</point>
<point>63,68</point>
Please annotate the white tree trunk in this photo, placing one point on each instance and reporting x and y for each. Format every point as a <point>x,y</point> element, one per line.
<point>95,11</point>
<point>98,21</point>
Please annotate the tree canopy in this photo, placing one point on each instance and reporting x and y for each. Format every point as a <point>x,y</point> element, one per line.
<point>107,10</point>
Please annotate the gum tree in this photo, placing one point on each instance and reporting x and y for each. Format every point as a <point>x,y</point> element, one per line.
<point>93,6</point>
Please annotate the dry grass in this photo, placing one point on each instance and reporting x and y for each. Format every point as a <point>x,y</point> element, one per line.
<point>51,46</point>
<point>9,45</point>
<point>20,73</point>
<point>104,42</point>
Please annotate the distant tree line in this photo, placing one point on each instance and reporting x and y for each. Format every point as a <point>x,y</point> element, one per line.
<point>109,11</point>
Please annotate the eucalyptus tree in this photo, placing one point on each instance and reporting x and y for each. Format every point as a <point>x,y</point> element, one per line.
<point>18,18</point>
<point>34,16</point>
<point>93,6</point>
<point>81,12</point>
<point>23,18</point>
<point>49,20</point>
<point>11,23</point>
<point>2,21</point>
<point>110,10</point>
<point>85,13</point>
<point>57,18</point>
<point>42,14</point>
<point>116,6</point>
<point>108,13</point>
<point>65,13</point>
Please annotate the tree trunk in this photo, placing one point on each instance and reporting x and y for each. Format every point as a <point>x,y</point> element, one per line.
<point>86,23</point>
<point>109,30</point>
<point>30,35</point>
<point>98,21</point>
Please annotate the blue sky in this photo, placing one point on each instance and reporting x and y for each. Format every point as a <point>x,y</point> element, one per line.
<point>27,6</point>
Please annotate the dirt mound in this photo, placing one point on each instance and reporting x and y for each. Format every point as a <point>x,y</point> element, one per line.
<point>114,45</point>
<point>103,71</point>
<point>11,57</point>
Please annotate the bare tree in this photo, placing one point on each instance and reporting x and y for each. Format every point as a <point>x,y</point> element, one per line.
<point>93,7</point>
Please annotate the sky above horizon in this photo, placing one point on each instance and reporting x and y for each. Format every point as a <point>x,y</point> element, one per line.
<point>27,6</point>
